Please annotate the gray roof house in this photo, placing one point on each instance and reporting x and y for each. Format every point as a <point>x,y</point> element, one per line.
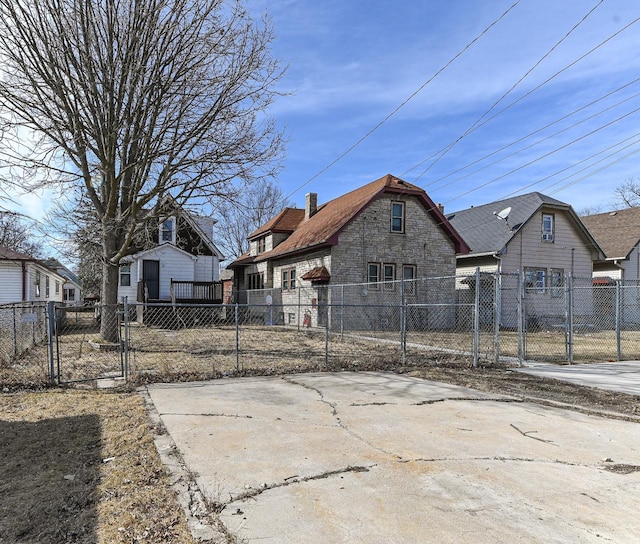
<point>532,230</point>
<point>532,234</point>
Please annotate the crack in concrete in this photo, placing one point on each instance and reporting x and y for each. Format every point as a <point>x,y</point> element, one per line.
<point>341,424</point>
<point>501,459</point>
<point>292,480</point>
<point>472,399</point>
<point>234,416</point>
<point>444,399</point>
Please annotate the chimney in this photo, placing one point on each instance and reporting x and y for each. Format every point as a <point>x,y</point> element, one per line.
<point>311,205</point>
<point>441,208</point>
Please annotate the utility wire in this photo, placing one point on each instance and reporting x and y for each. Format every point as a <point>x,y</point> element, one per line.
<point>545,155</point>
<point>533,133</point>
<point>406,101</point>
<point>537,142</point>
<point>546,81</point>
<point>477,122</point>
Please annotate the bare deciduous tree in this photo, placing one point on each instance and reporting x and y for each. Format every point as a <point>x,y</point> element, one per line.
<point>628,193</point>
<point>253,207</point>
<point>16,234</point>
<point>133,100</point>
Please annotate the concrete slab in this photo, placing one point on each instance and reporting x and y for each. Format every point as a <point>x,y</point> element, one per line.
<point>622,377</point>
<point>382,458</point>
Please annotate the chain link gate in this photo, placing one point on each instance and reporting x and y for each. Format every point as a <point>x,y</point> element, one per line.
<point>77,353</point>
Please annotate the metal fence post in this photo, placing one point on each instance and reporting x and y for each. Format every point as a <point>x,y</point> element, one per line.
<point>51,321</point>
<point>237,338</point>
<point>521,317</point>
<point>569,324</point>
<point>497,306</point>
<point>618,321</point>
<point>403,321</point>
<point>125,366</point>
<point>476,320</point>
<point>326,342</point>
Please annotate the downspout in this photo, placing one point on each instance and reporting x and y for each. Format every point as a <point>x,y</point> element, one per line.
<point>24,281</point>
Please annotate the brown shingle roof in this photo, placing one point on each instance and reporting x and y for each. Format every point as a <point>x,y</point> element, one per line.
<point>324,226</point>
<point>617,232</point>
<point>286,221</point>
<point>319,273</point>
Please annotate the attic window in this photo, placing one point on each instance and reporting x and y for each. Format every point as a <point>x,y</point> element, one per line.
<point>547,227</point>
<point>261,244</point>
<point>397,217</point>
<point>166,234</point>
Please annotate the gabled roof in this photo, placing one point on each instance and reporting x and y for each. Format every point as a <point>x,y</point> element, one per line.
<point>617,232</point>
<point>323,227</point>
<point>11,255</point>
<point>61,269</point>
<point>285,222</point>
<point>486,233</point>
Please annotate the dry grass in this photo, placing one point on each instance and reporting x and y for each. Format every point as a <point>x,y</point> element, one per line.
<point>81,466</point>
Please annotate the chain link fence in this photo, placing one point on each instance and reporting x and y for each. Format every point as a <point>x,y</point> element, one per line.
<point>485,317</point>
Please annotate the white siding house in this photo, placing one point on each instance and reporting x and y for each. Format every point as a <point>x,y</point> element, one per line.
<point>182,263</point>
<point>25,279</point>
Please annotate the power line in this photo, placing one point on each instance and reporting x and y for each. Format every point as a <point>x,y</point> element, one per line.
<point>537,142</point>
<point>476,123</point>
<point>582,57</point>
<point>533,133</point>
<point>545,155</point>
<point>405,102</point>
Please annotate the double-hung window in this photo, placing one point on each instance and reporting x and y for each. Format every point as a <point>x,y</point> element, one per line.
<point>547,227</point>
<point>373,275</point>
<point>167,230</point>
<point>397,217</point>
<point>408,276</point>
<point>389,271</point>
<point>125,275</point>
<point>37,283</point>
<point>557,282</point>
<point>288,279</point>
<point>535,279</point>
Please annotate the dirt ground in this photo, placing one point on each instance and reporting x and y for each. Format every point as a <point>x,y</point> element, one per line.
<point>81,467</point>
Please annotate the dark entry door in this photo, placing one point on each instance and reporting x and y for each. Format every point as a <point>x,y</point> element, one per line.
<point>151,278</point>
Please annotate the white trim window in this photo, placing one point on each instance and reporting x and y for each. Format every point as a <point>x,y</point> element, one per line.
<point>548,227</point>
<point>168,230</point>
<point>535,280</point>
<point>389,276</point>
<point>397,217</point>
<point>557,282</point>
<point>373,275</point>
<point>125,275</point>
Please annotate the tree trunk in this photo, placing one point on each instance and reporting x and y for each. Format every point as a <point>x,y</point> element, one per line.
<point>109,298</point>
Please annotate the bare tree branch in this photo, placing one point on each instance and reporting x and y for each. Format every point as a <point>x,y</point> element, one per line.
<point>133,100</point>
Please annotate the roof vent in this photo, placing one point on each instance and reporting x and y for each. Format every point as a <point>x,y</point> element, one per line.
<point>613,213</point>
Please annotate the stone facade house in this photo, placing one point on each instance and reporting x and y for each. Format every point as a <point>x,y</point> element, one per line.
<point>376,235</point>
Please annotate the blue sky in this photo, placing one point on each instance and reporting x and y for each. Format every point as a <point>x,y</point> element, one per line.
<point>352,63</point>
